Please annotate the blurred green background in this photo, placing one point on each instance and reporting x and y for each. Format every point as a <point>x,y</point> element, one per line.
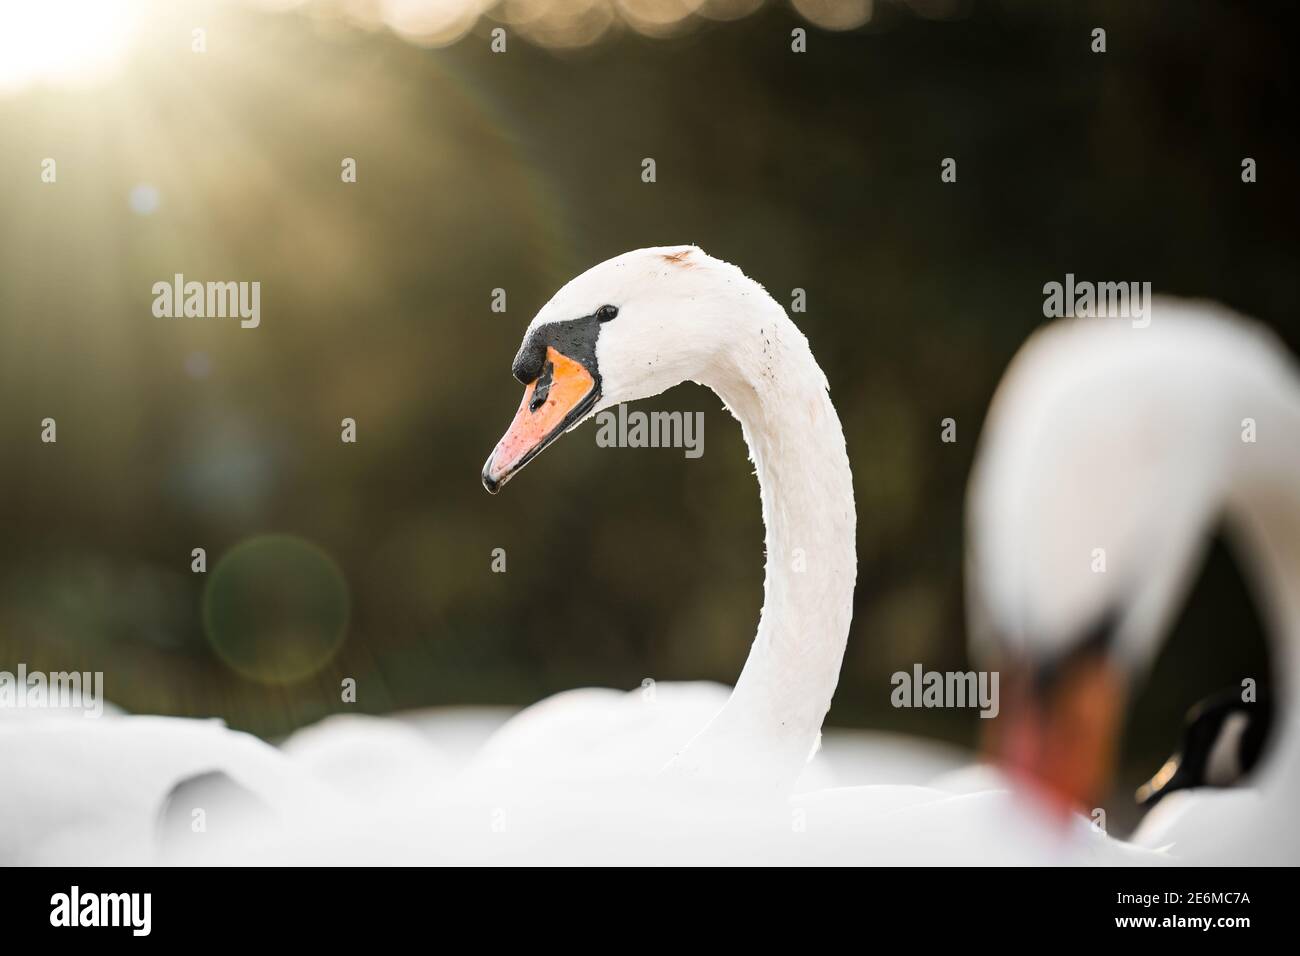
<point>479,171</point>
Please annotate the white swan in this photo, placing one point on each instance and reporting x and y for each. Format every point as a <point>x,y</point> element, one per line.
<point>689,773</point>
<point>1224,736</point>
<point>1107,442</point>
<point>631,328</point>
<point>1223,739</point>
<point>90,792</point>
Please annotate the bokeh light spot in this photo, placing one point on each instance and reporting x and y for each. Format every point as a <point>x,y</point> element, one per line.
<point>836,14</point>
<point>276,608</point>
<point>198,365</point>
<point>144,199</point>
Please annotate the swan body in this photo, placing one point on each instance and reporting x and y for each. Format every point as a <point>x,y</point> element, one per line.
<point>1186,821</point>
<point>601,732</point>
<point>1131,444</point>
<point>366,756</point>
<point>369,758</point>
<point>90,791</point>
<point>666,820</point>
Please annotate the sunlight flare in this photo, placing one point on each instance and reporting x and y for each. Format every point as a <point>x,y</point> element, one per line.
<point>64,42</point>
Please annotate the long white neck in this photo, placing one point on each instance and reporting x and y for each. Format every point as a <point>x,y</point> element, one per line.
<point>771,725</point>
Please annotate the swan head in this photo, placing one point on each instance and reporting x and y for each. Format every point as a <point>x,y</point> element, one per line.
<point>626,329</point>
<point>1106,457</point>
<point>1223,739</point>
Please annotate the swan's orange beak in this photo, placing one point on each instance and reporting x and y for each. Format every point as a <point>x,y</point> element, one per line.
<point>1060,739</point>
<point>556,400</point>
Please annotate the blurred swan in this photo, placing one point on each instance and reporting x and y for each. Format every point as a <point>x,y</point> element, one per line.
<point>87,789</point>
<point>1223,739</point>
<point>370,758</point>
<point>89,792</point>
<point>1109,454</point>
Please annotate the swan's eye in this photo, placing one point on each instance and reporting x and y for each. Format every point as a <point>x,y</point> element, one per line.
<point>606,312</point>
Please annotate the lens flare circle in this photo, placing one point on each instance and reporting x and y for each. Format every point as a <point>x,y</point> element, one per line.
<point>276,608</point>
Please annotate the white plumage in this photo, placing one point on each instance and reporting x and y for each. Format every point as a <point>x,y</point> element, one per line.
<point>697,772</point>
<point>1138,442</point>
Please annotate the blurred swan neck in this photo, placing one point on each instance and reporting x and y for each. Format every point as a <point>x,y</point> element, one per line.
<point>1271,523</point>
<point>1265,502</point>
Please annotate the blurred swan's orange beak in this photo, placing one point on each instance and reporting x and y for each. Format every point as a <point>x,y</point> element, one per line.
<point>1060,739</point>
<point>556,400</point>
